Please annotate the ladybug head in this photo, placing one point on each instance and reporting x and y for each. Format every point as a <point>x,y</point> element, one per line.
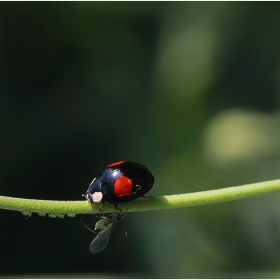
<point>94,194</point>
<point>93,198</point>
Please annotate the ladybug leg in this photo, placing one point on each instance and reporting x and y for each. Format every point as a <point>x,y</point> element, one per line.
<point>118,208</point>
<point>90,205</point>
<point>148,196</point>
<point>101,205</point>
<point>89,202</point>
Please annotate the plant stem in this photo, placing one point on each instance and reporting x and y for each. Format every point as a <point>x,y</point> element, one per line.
<point>59,208</point>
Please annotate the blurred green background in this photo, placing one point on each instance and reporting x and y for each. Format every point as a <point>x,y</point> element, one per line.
<point>191,90</point>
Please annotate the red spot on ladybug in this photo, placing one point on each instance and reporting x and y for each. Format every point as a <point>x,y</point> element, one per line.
<point>123,186</point>
<point>116,163</point>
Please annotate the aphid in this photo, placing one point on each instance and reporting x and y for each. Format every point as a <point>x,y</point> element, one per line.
<point>105,226</point>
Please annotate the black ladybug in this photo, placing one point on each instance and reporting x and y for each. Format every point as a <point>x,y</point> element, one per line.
<point>120,182</point>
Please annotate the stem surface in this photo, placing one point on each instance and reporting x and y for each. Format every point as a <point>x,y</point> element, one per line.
<point>27,206</point>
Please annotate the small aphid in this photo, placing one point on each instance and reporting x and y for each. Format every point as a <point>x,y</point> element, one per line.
<point>105,226</point>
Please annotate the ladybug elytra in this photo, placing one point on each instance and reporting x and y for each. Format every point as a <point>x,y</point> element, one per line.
<point>120,182</point>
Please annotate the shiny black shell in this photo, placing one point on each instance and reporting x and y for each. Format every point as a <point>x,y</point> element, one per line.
<point>122,182</point>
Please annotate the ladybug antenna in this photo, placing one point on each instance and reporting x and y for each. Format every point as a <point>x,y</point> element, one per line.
<point>87,227</point>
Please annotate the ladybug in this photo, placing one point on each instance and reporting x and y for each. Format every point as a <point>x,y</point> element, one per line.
<point>120,182</point>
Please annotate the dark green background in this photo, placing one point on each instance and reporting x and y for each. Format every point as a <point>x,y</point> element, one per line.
<point>191,90</point>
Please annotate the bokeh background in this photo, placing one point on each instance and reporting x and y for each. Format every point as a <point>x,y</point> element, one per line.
<point>191,90</point>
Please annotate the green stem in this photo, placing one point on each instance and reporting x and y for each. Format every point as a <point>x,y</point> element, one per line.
<point>59,208</point>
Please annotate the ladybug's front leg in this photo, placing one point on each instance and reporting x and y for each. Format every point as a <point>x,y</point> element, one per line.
<point>86,196</point>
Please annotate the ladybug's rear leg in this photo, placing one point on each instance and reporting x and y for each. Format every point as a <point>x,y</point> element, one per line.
<point>101,205</point>
<point>118,208</point>
<point>148,196</point>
